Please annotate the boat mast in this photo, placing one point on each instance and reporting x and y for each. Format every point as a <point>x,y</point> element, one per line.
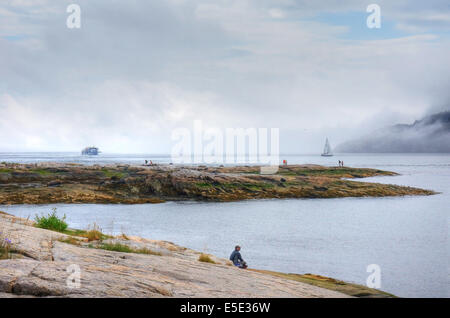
<point>326,149</point>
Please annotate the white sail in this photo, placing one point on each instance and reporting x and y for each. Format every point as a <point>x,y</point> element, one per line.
<point>327,149</point>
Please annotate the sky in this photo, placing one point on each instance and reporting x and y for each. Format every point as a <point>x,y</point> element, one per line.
<point>137,70</point>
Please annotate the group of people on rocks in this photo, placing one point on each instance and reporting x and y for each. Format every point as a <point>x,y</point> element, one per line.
<point>341,163</point>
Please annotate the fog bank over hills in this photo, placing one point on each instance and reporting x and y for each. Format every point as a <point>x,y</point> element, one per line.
<point>430,134</point>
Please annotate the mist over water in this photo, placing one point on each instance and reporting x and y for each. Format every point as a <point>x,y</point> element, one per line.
<point>429,134</point>
<point>406,236</point>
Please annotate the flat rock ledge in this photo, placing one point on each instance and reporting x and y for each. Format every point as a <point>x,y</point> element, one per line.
<point>43,265</point>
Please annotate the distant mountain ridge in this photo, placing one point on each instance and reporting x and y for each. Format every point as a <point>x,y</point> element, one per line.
<point>429,134</point>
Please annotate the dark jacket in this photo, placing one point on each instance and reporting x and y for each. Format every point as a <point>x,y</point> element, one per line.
<point>236,258</point>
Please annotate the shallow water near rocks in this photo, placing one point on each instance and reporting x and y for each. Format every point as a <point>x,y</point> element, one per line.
<point>406,236</point>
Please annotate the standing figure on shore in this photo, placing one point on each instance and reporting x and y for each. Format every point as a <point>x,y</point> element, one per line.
<point>236,258</point>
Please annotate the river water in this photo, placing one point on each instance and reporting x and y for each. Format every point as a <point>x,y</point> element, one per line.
<point>407,237</point>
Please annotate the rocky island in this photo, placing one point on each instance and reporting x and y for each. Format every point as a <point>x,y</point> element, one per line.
<point>73,183</point>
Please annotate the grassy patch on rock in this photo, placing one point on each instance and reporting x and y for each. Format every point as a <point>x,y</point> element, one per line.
<point>43,172</point>
<point>5,251</point>
<point>205,258</point>
<point>118,247</point>
<point>350,289</point>
<point>113,247</point>
<point>343,172</point>
<point>109,173</point>
<point>203,185</point>
<point>70,240</point>
<point>58,224</point>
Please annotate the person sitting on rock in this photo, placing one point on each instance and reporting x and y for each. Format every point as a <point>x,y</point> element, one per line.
<point>236,258</point>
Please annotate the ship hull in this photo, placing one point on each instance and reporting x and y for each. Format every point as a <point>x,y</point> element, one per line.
<point>90,151</point>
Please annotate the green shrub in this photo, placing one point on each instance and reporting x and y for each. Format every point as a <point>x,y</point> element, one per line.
<point>51,222</point>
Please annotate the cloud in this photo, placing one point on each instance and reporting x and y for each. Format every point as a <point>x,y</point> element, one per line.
<point>117,115</point>
<point>136,70</point>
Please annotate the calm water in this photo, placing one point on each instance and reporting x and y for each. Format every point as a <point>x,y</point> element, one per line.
<point>407,237</point>
<point>76,157</point>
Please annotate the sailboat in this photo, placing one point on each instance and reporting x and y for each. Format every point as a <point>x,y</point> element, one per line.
<point>327,150</point>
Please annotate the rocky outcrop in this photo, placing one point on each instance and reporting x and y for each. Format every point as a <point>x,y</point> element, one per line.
<point>43,266</point>
<point>63,183</point>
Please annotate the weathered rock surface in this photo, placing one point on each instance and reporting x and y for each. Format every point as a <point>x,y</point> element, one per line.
<point>43,270</point>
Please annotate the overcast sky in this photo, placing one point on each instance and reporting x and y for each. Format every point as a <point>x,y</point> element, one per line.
<point>136,70</point>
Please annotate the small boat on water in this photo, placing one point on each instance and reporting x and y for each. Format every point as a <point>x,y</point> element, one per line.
<point>90,151</point>
<point>327,150</point>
